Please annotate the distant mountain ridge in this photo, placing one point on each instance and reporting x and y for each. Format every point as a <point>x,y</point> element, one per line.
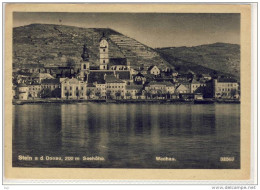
<point>222,57</point>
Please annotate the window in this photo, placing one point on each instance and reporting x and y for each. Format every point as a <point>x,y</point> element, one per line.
<point>104,62</point>
<point>104,50</point>
<point>82,88</point>
<point>65,88</point>
<point>84,66</point>
<point>70,88</point>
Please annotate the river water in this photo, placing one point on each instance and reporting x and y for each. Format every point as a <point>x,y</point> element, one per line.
<point>126,135</point>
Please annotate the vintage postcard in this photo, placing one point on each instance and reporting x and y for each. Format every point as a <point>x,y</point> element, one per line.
<point>127,91</point>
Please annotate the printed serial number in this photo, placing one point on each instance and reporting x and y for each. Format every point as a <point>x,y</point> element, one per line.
<point>227,159</point>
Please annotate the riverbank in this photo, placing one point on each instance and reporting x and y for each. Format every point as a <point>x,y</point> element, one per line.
<point>159,101</point>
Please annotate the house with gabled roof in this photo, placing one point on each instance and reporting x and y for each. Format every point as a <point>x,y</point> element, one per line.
<point>154,70</point>
<point>182,89</point>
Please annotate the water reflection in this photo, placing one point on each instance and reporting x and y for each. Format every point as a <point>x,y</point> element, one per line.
<point>128,135</point>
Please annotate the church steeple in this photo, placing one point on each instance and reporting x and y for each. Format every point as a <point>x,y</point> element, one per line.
<point>85,55</point>
<point>103,53</point>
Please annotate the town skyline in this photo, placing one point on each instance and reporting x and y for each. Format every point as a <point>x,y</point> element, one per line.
<point>176,30</point>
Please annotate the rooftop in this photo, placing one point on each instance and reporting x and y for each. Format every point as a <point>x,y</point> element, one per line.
<point>31,66</point>
<point>134,87</point>
<point>90,85</point>
<point>194,81</point>
<point>21,85</point>
<point>99,75</point>
<point>112,79</point>
<point>226,80</point>
<point>166,83</point>
<point>42,75</point>
<point>139,75</point>
<point>50,81</point>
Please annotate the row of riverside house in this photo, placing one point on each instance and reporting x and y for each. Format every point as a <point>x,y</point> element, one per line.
<point>115,78</point>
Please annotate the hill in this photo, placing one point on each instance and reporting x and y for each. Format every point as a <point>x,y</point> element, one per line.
<point>47,43</point>
<point>222,57</point>
<point>58,44</point>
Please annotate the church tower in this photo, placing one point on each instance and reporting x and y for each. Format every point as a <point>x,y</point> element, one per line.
<point>103,53</point>
<point>85,63</point>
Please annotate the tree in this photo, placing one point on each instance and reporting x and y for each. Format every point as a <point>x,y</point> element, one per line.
<point>77,93</point>
<point>30,95</point>
<point>89,92</point>
<point>159,93</point>
<point>214,74</point>
<point>147,94</point>
<point>45,93</point>
<point>67,94</point>
<point>168,95</point>
<point>233,92</point>
<point>139,93</point>
<point>128,94</point>
<point>56,93</point>
<point>98,94</point>
<point>190,75</point>
<point>70,62</point>
<point>199,76</point>
<point>108,95</point>
<point>118,94</point>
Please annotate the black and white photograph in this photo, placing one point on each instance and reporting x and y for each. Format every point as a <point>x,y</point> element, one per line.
<point>126,90</point>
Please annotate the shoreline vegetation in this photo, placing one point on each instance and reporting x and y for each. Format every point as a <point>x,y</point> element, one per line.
<point>123,101</point>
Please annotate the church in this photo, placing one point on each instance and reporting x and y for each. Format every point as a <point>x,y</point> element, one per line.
<point>107,65</point>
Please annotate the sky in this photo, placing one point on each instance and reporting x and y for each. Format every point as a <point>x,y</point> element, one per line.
<point>152,29</point>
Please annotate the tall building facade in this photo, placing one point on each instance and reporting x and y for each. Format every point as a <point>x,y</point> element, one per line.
<point>103,53</point>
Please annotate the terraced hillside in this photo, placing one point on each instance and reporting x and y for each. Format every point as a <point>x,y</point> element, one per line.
<point>138,53</point>
<point>44,43</point>
<point>57,44</point>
